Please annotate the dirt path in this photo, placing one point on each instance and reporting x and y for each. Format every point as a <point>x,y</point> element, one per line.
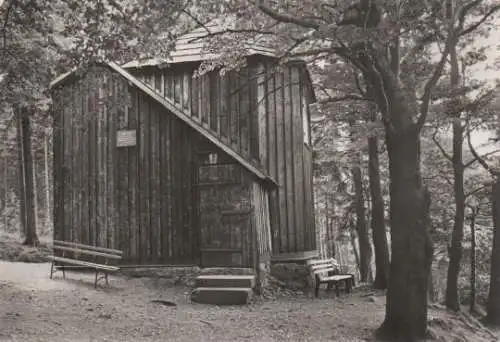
<point>35,308</point>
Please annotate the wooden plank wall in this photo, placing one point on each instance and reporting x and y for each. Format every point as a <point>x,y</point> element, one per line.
<point>259,112</point>
<point>224,104</point>
<point>283,99</point>
<point>139,198</point>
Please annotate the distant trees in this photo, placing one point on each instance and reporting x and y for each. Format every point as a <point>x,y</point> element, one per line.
<point>41,39</point>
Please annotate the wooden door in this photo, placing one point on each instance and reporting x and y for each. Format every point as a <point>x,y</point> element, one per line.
<point>224,213</point>
<point>226,244</point>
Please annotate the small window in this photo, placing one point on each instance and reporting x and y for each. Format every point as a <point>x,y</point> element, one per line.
<point>215,169</point>
<point>209,158</point>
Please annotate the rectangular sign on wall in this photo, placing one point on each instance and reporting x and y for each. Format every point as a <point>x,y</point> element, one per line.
<point>126,138</point>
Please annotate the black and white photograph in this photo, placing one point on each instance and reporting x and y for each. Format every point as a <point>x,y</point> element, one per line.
<point>249,170</point>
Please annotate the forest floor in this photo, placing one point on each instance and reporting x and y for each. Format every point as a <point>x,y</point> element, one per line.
<point>35,308</point>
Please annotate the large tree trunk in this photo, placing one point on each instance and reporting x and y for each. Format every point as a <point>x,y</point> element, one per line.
<point>472,303</point>
<point>411,257</point>
<point>26,177</point>
<point>455,250</point>
<point>379,235</point>
<point>365,248</point>
<point>493,315</point>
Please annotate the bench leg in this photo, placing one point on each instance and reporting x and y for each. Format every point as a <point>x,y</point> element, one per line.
<point>95,282</point>
<point>329,287</point>
<point>106,277</point>
<point>316,289</point>
<point>51,269</point>
<point>349,284</point>
<point>64,273</point>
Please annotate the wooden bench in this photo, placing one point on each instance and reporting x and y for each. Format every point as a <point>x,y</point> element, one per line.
<point>327,271</point>
<point>104,259</point>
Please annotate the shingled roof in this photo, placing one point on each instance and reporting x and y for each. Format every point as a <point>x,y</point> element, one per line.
<point>192,47</point>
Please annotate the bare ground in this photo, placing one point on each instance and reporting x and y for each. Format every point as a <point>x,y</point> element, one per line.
<point>35,308</point>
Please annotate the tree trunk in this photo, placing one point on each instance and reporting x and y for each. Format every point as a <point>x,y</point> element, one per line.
<point>48,211</point>
<point>431,291</point>
<point>472,303</point>
<point>6,193</point>
<point>26,174</point>
<point>332,226</point>
<point>493,308</point>
<point>379,235</point>
<point>327,230</point>
<point>455,250</point>
<point>411,257</point>
<point>21,178</point>
<point>353,243</point>
<point>365,248</point>
<point>35,192</point>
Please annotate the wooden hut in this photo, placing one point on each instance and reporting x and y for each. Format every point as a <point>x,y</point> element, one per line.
<point>171,168</point>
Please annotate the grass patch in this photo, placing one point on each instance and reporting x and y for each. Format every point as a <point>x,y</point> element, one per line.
<point>12,249</point>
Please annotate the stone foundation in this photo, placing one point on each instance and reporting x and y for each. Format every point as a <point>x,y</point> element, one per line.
<point>171,275</point>
<point>294,276</point>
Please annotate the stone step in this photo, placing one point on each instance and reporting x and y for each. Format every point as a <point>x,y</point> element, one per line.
<point>244,281</point>
<point>222,295</point>
<point>227,271</point>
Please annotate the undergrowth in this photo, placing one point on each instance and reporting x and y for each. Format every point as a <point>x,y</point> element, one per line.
<point>12,249</point>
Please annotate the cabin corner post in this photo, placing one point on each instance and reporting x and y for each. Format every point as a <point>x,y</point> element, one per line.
<point>261,232</point>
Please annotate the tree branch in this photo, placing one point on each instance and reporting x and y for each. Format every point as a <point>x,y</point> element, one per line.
<point>229,30</point>
<point>475,191</point>
<point>286,18</point>
<point>431,83</point>
<point>481,161</point>
<point>469,163</point>
<point>452,39</point>
<point>462,14</point>
<point>478,23</point>
<point>440,147</point>
<point>446,178</point>
<point>347,97</point>
<point>313,52</point>
<point>5,23</point>
<point>197,21</point>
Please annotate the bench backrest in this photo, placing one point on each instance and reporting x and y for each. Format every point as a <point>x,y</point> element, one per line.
<point>322,267</point>
<point>76,249</point>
